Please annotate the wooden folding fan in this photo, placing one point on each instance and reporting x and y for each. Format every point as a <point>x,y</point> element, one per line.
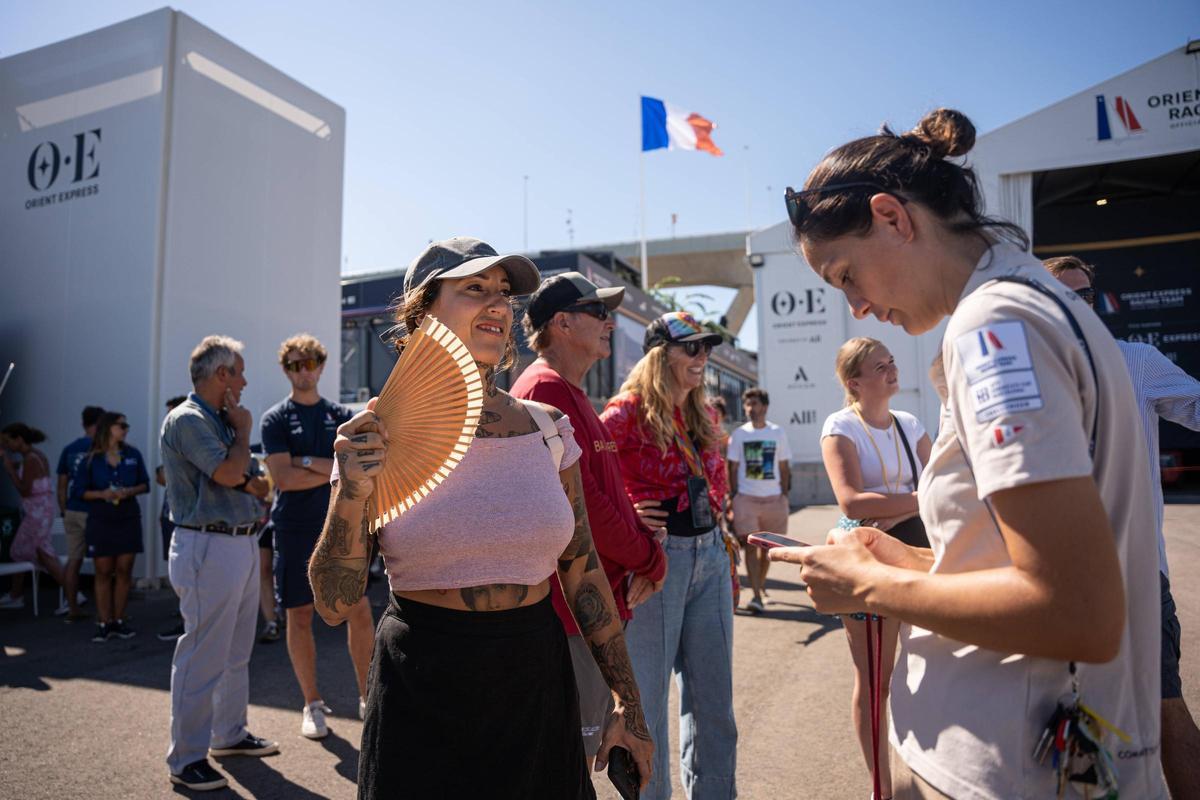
<point>430,406</point>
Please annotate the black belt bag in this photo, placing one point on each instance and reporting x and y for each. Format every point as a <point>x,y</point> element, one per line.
<point>221,527</point>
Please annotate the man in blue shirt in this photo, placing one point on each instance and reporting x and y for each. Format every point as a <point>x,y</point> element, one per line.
<point>213,566</point>
<point>74,513</point>
<point>297,437</point>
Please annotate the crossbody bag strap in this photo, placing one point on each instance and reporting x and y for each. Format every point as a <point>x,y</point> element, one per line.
<point>1087,351</point>
<point>912,462</point>
<point>550,434</point>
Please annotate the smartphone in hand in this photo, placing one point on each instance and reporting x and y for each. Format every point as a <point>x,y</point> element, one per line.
<point>624,773</point>
<point>768,540</point>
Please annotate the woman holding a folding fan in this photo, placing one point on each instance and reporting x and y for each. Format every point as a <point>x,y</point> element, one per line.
<point>471,687</point>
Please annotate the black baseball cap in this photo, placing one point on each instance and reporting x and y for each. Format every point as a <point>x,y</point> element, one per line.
<point>677,326</point>
<point>464,256</point>
<point>560,292</point>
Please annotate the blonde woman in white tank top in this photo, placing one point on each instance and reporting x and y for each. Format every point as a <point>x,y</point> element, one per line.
<point>868,467</point>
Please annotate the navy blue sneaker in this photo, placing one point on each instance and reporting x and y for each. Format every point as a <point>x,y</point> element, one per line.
<point>200,776</point>
<point>250,746</point>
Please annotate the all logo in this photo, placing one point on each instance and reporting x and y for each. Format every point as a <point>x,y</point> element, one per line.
<point>1124,115</point>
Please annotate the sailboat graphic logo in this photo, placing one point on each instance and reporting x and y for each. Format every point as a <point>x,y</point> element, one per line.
<point>1124,111</point>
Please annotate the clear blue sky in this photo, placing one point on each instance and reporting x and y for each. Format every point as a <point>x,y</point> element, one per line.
<point>450,104</point>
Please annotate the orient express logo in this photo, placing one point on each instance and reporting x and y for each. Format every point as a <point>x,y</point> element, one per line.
<point>808,301</point>
<point>64,171</point>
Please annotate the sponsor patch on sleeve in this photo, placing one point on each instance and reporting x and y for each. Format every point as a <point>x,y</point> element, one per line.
<point>999,370</point>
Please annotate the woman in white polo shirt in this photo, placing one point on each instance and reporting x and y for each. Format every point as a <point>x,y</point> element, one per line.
<point>873,456</point>
<point>1035,500</point>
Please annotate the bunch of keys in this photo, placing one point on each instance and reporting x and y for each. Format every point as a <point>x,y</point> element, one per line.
<point>1073,742</point>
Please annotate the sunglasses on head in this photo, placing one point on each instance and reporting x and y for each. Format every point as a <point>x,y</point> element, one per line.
<point>1087,294</point>
<point>798,207</point>
<point>594,309</point>
<point>310,364</point>
<point>694,347</point>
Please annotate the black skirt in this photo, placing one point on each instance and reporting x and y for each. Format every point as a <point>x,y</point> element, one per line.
<point>113,530</point>
<point>464,704</point>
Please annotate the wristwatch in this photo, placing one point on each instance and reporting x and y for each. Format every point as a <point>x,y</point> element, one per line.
<point>306,461</point>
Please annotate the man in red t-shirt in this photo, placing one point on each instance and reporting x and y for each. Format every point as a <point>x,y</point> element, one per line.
<point>570,323</point>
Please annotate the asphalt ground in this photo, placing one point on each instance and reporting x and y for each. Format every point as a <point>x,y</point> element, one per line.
<point>84,720</point>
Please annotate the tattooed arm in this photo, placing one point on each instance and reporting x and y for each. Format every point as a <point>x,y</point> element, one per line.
<point>339,565</point>
<point>588,595</point>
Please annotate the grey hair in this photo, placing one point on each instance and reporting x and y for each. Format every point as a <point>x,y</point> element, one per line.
<point>211,354</point>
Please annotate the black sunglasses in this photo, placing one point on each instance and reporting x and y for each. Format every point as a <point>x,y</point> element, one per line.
<point>595,309</point>
<point>1087,294</point>
<point>694,347</point>
<point>798,208</point>
<point>123,426</point>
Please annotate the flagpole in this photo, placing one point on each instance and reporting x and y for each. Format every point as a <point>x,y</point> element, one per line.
<point>645,265</point>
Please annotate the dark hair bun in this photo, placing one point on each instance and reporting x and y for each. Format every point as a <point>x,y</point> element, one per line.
<point>945,132</point>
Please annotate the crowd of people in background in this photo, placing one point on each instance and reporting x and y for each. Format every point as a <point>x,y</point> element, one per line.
<point>545,595</point>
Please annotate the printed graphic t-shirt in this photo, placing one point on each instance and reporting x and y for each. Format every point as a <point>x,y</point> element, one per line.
<point>300,430</point>
<point>759,452</point>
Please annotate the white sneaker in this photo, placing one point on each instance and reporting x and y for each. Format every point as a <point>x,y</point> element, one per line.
<point>80,599</point>
<point>313,725</point>
<point>8,601</point>
<point>362,708</point>
<point>62,610</point>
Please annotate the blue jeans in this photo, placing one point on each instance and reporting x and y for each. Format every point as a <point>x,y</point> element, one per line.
<point>687,628</point>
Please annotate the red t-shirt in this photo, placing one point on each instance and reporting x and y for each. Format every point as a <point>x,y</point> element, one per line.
<point>623,544</point>
<point>651,474</point>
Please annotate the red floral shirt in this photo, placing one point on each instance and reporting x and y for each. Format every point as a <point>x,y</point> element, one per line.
<point>651,474</point>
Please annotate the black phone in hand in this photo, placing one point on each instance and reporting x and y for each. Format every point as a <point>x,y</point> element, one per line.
<point>624,774</point>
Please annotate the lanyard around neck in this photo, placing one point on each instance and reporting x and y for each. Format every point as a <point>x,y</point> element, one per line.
<point>879,453</point>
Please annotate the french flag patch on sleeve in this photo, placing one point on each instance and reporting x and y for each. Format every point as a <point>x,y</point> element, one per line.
<point>1003,434</point>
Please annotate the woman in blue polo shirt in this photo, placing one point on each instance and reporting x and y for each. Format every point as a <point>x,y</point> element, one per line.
<point>109,478</point>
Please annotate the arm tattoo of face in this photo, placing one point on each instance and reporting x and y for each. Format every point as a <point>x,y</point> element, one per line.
<point>494,596</point>
<point>613,661</point>
<point>335,581</point>
<point>591,612</point>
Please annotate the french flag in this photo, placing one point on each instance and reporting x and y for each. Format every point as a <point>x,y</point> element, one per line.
<point>664,125</point>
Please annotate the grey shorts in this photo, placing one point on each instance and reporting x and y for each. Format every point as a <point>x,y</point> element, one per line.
<point>595,698</point>
<point>74,523</point>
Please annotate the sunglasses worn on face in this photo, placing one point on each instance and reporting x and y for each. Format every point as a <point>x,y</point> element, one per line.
<point>597,310</point>
<point>694,347</point>
<point>1087,294</point>
<point>310,364</point>
<point>123,426</point>
<point>798,207</point>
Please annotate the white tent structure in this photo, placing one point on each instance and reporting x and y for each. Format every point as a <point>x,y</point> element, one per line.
<point>162,184</point>
<point>1111,173</point>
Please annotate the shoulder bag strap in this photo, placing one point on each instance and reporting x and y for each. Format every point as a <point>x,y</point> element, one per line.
<point>912,462</point>
<point>550,434</point>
